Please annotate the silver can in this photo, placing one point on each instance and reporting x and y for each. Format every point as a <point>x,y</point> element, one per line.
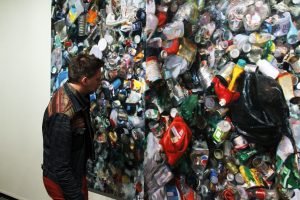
<point>82,25</point>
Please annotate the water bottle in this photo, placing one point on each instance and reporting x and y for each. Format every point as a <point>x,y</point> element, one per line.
<point>199,157</point>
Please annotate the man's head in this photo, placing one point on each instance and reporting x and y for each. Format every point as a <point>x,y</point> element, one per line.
<point>84,71</point>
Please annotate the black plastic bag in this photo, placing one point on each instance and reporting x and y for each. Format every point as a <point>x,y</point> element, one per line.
<point>261,113</point>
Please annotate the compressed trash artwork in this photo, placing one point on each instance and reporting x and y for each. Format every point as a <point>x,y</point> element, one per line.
<point>113,31</point>
<point>222,100</point>
<point>200,99</point>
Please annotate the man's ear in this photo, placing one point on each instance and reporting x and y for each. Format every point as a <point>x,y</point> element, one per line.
<point>84,80</point>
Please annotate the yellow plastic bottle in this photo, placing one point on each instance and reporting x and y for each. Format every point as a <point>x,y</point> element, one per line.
<point>237,71</point>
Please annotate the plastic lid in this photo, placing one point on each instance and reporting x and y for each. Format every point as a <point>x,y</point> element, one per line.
<point>241,62</point>
<point>173,112</point>
<point>234,53</point>
<point>222,102</point>
<point>54,70</point>
<point>137,39</point>
<point>102,44</point>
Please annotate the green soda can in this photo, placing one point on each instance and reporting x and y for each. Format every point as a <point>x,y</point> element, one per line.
<point>221,132</point>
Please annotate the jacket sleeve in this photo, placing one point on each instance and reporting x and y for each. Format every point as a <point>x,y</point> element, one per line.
<point>61,144</point>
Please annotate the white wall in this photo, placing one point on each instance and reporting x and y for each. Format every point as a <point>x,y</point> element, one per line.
<point>24,94</point>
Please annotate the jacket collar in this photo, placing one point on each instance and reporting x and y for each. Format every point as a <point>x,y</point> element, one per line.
<point>79,101</point>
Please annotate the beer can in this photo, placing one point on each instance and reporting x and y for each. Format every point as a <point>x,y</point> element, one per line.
<point>239,179</point>
<point>231,167</point>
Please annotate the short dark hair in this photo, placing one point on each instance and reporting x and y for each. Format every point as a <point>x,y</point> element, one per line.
<point>83,65</point>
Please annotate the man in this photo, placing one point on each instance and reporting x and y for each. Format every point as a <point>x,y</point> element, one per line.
<point>67,131</point>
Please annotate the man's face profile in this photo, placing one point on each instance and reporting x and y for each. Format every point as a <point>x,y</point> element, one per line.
<point>93,83</point>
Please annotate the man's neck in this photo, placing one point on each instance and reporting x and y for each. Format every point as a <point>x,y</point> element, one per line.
<point>78,88</point>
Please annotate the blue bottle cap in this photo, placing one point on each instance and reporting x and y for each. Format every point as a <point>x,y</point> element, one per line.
<point>241,62</point>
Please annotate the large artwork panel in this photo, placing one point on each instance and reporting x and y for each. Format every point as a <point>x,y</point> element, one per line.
<point>200,99</point>
<point>112,31</point>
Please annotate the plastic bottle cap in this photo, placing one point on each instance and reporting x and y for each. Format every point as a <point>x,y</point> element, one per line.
<point>109,38</point>
<point>241,62</point>
<point>277,53</point>
<point>246,47</point>
<point>222,102</point>
<point>54,70</point>
<point>173,112</point>
<point>102,44</point>
<point>96,52</point>
<point>230,177</point>
<point>234,53</point>
<point>163,54</point>
<point>137,39</point>
<point>80,44</point>
<point>197,39</point>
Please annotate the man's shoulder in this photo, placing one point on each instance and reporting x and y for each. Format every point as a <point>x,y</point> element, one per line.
<point>61,103</point>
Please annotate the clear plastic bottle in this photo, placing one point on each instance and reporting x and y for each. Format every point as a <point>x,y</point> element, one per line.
<point>205,74</point>
<point>174,30</point>
<point>199,157</point>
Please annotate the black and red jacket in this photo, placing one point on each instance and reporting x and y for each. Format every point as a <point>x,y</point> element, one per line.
<point>68,140</point>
